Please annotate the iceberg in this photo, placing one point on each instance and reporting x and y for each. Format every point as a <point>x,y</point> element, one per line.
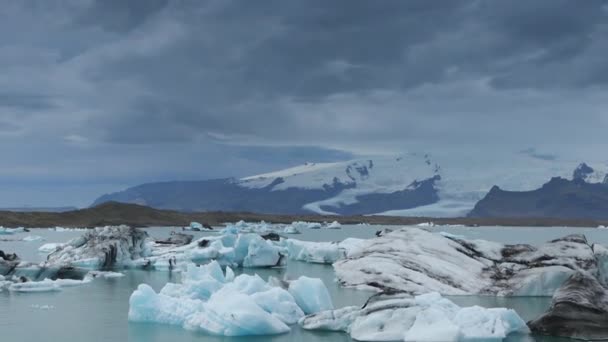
<point>321,252</point>
<point>102,248</point>
<point>234,250</point>
<point>10,231</point>
<point>30,238</point>
<point>579,309</point>
<point>398,316</point>
<point>176,238</point>
<point>291,229</point>
<point>50,247</point>
<point>215,302</point>
<point>45,285</point>
<point>334,225</point>
<point>418,261</point>
<point>310,294</point>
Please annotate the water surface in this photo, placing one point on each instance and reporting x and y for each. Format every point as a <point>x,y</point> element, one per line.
<point>98,311</point>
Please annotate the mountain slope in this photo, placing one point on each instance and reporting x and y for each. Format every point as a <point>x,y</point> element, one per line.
<point>413,184</point>
<point>559,198</point>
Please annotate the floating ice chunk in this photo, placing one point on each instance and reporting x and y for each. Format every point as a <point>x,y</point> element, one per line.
<point>280,303</point>
<point>477,323</point>
<point>314,252</point>
<point>103,248</point>
<point>145,305</point>
<point>33,238</point>
<point>334,225</point>
<point>418,261</point>
<point>254,251</point>
<point>9,231</point>
<point>291,230</point>
<point>230,313</point>
<point>194,226</point>
<point>321,252</point>
<point>105,274</point>
<point>46,285</point>
<point>429,317</point>
<point>311,294</point>
<point>42,307</point>
<point>217,303</point>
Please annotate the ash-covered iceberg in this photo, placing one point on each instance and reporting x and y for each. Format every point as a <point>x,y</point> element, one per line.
<point>103,248</point>
<point>417,261</point>
<point>397,316</point>
<point>579,310</point>
<point>218,303</point>
<point>228,249</point>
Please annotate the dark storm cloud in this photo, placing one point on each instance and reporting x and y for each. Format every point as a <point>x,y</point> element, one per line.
<point>354,75</point>
<point>227,65</point>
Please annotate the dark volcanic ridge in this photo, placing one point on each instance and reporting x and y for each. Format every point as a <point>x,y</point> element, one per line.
<point>559,198</point>
<point>114,213</point>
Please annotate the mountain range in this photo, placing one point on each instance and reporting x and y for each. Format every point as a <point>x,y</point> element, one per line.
<point>412,184</point>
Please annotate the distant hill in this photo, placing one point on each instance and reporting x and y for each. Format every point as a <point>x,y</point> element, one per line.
<point>40,209</point>
<point>559,198</point>
<point>413,184</point>
<point>113,213</point>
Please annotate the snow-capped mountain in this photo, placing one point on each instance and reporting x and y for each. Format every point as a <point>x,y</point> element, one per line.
<point>412,184</point>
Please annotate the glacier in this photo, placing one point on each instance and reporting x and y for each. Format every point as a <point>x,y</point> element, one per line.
<point>398,316</point>
<point>216,302</point>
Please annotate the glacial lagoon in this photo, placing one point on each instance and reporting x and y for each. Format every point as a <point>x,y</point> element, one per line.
<point>97,311</point>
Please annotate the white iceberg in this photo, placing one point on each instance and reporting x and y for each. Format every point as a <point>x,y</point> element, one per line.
<point>291,229</point>
<point>50,247</point>
<point>334,225</point>
<point>218,303</point>
<point>10,231</point>
<point>30,238</point>
<point>429,317</point>
<point>45,285</point>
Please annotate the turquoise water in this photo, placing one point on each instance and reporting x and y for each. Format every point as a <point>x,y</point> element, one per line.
<point>98,311</point>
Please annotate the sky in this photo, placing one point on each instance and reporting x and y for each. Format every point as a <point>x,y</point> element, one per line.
<point>96,96</point>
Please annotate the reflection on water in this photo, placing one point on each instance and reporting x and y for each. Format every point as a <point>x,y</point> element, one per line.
<point>98,311</point>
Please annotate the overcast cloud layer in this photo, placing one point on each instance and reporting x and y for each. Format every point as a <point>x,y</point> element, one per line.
<point>98,95</point>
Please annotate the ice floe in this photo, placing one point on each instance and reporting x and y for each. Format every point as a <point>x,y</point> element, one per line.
<point>429,317</point>
<point>218,303</point>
